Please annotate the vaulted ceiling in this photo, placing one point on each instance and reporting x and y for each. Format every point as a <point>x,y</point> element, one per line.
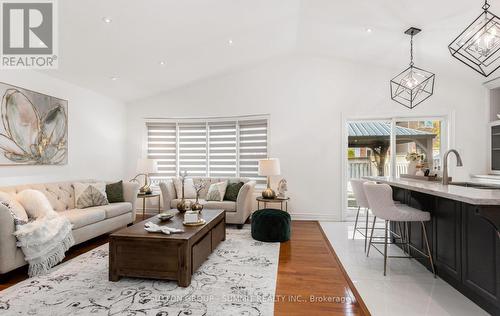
<point>198,39</point>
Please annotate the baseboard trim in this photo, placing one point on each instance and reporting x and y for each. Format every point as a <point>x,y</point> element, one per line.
<point>314,217</point>
<point>295,216</point>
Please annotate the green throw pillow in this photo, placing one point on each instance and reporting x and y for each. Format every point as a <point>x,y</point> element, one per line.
<point>232,191</point>
<point>114,191</point>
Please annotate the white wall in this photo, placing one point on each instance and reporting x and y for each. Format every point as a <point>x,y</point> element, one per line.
<point>307,98</point>
<point>96,133</point>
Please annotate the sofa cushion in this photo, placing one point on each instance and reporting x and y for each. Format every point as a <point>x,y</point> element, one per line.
<point>90,194</point>
<point>114,191</point>
<point>16,208</point>
<point>228,206</point>
<point>216,191</point>
<point>116,209</point>
<point>232,191</point>
<point>84,217</point>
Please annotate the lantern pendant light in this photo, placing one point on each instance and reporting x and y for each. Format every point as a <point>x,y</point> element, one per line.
<point>413,85</point>
<point>478,46</point>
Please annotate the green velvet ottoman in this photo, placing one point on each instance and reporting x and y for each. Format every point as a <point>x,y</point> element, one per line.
<point>271,225</point>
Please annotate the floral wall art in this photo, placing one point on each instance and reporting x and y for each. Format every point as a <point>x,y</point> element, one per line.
<point>33,128</point>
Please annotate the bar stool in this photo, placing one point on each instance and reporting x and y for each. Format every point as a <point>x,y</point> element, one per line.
<point>379,198</point>
<point>359,194</point>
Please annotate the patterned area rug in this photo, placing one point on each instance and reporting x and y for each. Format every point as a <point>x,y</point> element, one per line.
<point>239,278</point>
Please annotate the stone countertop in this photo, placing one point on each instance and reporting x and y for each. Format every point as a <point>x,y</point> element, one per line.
<point>472,196</point>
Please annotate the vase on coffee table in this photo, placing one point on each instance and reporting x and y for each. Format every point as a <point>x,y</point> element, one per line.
<point>182,206</point>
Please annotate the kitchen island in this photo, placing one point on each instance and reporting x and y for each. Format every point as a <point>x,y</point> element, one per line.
<point>463,234</point>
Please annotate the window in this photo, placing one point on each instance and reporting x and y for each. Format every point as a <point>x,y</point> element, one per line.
<point>380,147</point>
<point>215,148</point>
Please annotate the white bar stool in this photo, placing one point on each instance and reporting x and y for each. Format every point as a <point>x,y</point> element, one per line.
<point>379,198</point>
<point>361,200</point>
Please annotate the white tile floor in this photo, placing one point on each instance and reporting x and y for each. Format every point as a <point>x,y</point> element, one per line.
<point>408,289</point>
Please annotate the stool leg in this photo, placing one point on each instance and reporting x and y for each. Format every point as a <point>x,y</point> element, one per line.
<point>356,222</point>
<point>428,248</point>
<point>385,248</point>
<point>366,227</point>
<point>401,235</point>
<point>407,237</point>
<point>371,236</point>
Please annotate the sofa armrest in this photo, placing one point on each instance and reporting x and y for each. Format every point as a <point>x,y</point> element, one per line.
<point>167,193</point>
<point>244,200</point>
<point>8,246</point>
<point>130,191</point>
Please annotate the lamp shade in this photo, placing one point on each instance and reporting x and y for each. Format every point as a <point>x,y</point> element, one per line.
<point>146,166</point>
<point>269,167</point>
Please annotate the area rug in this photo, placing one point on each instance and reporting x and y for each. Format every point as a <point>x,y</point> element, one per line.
<point>239,278</point>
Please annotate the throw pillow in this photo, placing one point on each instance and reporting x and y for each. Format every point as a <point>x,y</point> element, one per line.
<point>216,191</point>
<point>17,221</point>
<point>114,192</point>
<point>35,203</point>
<point>189,191</point>
<point>14,205</point>
<point>232,191</point>
<point>90,194</point>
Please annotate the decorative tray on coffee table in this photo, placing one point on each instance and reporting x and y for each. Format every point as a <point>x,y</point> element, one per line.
<point>198,223</point>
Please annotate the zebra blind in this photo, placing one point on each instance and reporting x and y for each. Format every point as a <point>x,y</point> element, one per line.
<point>192,142</point>
<point>252,148</point>
<point>162,146</point>
<point>224,149</point>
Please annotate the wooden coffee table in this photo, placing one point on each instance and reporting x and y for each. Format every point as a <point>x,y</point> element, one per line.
<point>134,252</point>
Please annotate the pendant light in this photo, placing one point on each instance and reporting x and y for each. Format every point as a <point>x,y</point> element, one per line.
<point>413,85</point>
<point>478,46</point>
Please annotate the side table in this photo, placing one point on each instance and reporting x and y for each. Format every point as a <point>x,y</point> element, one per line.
<point>148,196</point>
<point>275,200</point>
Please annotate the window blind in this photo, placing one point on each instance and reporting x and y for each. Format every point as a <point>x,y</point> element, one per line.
<point>192,142</point>
<point>222,144</point>
<point>162,146</point>
<point>224,149</point>
<point>252,148</point>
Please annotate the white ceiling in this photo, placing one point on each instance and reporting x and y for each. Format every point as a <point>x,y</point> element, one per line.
<point>192,37</point>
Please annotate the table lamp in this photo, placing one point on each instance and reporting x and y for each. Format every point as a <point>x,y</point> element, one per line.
<point>144,168</point>
<point>269,167</point>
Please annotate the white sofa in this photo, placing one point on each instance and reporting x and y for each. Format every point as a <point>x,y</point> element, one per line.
<point>87,223</point>
<point>236,212</point>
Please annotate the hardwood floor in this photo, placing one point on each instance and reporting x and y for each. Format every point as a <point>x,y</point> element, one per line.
<point>311,280</point>
<point>309,274</point>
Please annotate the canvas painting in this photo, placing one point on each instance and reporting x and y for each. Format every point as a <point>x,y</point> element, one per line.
<point>33,128</point>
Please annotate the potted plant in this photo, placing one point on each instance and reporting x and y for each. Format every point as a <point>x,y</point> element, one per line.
<point>415,160</point>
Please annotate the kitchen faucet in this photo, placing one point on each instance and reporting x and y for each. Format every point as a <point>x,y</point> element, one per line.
<point>445,180</point>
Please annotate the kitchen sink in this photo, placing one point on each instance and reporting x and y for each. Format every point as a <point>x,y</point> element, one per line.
<point>476,185</point>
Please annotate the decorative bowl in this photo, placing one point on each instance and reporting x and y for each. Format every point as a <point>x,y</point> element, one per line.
<point>165,216</point>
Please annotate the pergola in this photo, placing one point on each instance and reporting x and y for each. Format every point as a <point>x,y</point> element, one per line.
<point>376,136</point>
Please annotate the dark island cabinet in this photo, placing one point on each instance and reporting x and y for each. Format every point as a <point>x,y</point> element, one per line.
<point>464,244</point>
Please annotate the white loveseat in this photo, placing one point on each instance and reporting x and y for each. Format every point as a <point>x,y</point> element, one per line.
<point>87,223</point>
<point>236,212</point>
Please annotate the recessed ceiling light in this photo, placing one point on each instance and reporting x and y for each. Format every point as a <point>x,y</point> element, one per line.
<point>368,30</point>
<point>114,78</point>
<point>230,42</point>
<point>162,63</point>
<point>107,20</point>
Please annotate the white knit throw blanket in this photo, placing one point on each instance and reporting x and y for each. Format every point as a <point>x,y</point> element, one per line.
<point>44,242</point>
